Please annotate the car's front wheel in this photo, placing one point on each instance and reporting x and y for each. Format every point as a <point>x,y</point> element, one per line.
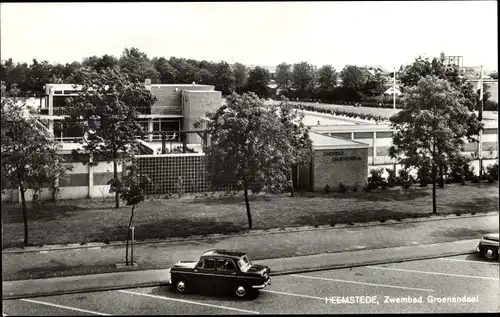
<point>181,285</point>
<point>241,290</point>
<point>489,253</point>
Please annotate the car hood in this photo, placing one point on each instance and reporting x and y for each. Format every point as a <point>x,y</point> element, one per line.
<point>256,268</point>
<point>186,264</point>
<point>491,236</point>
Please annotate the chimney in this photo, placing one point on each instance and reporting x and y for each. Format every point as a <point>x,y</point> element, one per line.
<point>147,83</point>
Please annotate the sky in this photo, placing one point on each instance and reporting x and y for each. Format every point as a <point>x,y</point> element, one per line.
<point>267,33</point>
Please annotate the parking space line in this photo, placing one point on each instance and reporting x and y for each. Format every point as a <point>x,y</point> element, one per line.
<point>65,307</point>
<point>290,294</point>
<point>461,260</point>
<point>363,283</point>
<point>188,302</point>
<point>434,273</point>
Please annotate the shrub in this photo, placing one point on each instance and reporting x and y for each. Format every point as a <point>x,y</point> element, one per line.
<point>424,176</point>
<point>375,179</point>
<point>392,179</point>
<point>405,179</point>
<point>367,188</point>
<point>460,170</point>
<point>492,172</point>
<point>180,189</point>
<point>327,189</point>
<point>343,188</point>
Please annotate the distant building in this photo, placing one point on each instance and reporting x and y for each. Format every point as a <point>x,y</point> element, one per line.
<point>177,107</point>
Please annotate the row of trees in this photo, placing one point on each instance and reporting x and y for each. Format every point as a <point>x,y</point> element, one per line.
<point>138,66</point>
<point>302,80</point>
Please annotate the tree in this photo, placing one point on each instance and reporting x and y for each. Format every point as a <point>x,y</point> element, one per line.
<point>353,78</point>
<point>185,72</point>
<point>421,67</point>
<point>303,75</point>
<point>204,76</point>
<point>284,75</point>
<point>240,72</point>
<point>167,73</point>
<point>432,126</point>
<point>327,77</point>
<point>133,192</point>
<point>29,154</point>
<point>374,85</point>
<point>108,105</point>
<point>15,74</point>
<point>39,75</point>
<point>248,145</point>
<point>298,136</point>
<point>137,65</point>
<point>224,78</point>
<point>257,82</point>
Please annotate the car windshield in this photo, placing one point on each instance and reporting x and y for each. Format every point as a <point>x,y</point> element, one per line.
<point>244,263</point>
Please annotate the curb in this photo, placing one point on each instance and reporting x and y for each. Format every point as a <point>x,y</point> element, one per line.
<point>276,273</point>
<point>259,232</point>
<point>88,290</point>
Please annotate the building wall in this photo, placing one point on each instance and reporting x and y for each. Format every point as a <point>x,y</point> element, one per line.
<point>169,97</point>
<point>332,167</point>
<point>83,181</point>
<point>196,105</point>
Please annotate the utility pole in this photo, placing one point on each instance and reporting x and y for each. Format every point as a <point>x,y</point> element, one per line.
<point>394,89</point>
<point>480,117</point>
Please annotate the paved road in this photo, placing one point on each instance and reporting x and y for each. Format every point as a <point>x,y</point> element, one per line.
<point>264,246</point>
<point>457,276</point>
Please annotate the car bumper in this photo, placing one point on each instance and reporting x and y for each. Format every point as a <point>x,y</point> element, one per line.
<point>268,282</point>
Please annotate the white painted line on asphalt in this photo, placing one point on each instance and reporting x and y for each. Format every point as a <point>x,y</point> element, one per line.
<point>434,273</point>
<point>472,261</point>
<point>65,307</point>
<point>290,294</point>
<point>363,283</point>
<point>189,302</point>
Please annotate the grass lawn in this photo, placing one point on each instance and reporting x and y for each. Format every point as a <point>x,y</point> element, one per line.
<point>83,221</point>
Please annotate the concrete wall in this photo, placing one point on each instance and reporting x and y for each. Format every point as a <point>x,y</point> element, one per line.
<point>332,167</point>
<point>196,105</point>
<point>169,97</point>
<point>83,181</point>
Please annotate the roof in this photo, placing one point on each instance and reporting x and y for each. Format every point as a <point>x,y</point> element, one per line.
<point>326,142</point>
<point>216,252</point>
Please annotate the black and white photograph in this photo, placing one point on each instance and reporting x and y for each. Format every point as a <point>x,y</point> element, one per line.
<point>242,158</point>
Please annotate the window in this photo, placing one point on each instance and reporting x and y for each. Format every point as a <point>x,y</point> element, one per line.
<point>209,264</point>
<point>201,264</point>
<point>225,265</point>
<point>244,264</point>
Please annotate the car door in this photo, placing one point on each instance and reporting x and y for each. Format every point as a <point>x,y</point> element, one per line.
<point>205,273</point>
<point>226,273</point>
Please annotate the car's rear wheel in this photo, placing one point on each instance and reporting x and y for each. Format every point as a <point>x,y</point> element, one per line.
<point>489,253</point>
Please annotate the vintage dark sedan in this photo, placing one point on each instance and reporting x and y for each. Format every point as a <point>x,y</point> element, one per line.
<point>220,269</point>
<point>488,246</point>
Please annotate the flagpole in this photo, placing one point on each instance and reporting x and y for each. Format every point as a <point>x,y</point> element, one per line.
<point>394,89</point>
<point>480,146</point>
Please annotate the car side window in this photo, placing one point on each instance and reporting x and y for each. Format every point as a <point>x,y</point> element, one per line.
<point>201,264</point>
<point>209,264</point>
<point>225,265</point>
